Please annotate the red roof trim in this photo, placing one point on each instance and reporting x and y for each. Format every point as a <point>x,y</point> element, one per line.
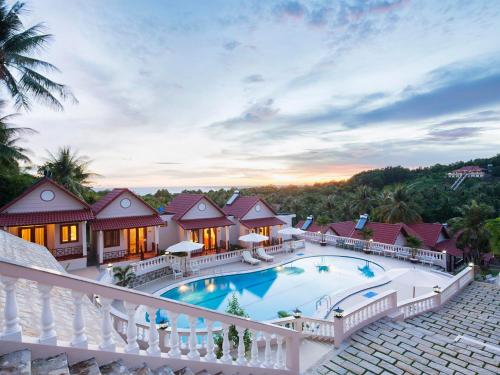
<point>105,201</point>
<point>262,222</point>
<point>39,183</point>
<point>178,215</point>
<point>232,209</point>
<point>44,217</point>
<point>126,222</point>
<point>205,223</point>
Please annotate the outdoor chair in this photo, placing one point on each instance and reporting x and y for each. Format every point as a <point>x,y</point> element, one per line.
<point>402,255</point>
<point>194,270</point>
<point>389,252</point>
<point>261,254</point>
<point>176,271</point>
<point>376,250</point>
<point>248,258</point>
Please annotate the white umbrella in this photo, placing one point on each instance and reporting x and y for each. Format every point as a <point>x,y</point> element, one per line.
<point>185,247</point>
<point>291,231</point>
<point>253,237</point>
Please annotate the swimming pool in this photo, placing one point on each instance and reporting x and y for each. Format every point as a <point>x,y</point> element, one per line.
<point>262,294</point>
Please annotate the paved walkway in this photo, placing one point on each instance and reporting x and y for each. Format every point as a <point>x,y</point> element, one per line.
<point>427,344</point>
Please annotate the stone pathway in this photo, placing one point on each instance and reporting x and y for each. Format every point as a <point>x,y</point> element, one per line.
<point>427,343</point>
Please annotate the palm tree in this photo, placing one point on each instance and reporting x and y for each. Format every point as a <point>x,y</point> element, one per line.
<point>123,275</point>
<point>11,154</point>
<point>363,200</point>
<point>414,243</point>
<point>19,70</point>
<point>69,170</point>
<point>472,235</point>
<point>398,206</point>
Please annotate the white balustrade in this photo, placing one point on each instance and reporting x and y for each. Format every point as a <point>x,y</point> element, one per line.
<point>254,351</point>
<point>193,351</point>
<point>132,346</point>
<point>48,334</point>
<point>226,355</point>
<point>107,342</point>
<point>79,338</point>
<point>12,330</point>
<point>241,346</point>
<point>153,336</point>
<point>210,356</point>
<point>175,351</point>
<point>268,361</point>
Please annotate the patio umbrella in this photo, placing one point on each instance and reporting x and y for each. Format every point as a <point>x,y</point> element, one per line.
<point>253,238</point>
<point>290,231</point>
<point>185,247</point>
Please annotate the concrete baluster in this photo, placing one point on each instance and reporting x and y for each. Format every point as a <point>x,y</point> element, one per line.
<point>210,356</point>
<point>153,339</point>
<point>241,346</point>
<point>175,351</point>
<point>79,338</point>
<point>280,362</point>
<point>107,342</point>
<point>12,331</point>
<point>48,334</point>
<point>226,355</point>
<point>254,351</point>
<point>268,361</point>
<point>193,352</point>
<point>132,346</point>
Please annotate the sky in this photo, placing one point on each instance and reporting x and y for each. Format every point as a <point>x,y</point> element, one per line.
<point>239,93</point>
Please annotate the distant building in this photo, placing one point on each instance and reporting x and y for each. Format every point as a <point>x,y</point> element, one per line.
<point>469,170</point>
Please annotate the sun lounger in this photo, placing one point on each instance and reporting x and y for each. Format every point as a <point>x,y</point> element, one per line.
<point>248,258</point>
<point>261,254</point>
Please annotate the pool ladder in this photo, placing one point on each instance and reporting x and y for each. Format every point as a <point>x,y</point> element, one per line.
<point>328,301</point>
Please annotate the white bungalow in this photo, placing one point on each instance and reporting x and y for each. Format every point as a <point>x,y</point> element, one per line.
<point>195,217</point>
<point>253,214</point>
<point>125,227</point>
<point>50,215</point>
<point>469,170</point>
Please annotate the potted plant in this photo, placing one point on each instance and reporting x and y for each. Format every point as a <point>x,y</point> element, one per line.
<point>414,243</point>
<point>123,275</point>
<point>322,220</point>
<point>367,234</point>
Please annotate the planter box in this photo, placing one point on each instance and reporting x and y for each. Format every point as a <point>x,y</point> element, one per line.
<point>322,243</point>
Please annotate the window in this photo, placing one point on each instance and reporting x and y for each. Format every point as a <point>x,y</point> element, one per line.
<point>195,235</point>
<point>69,233</point>
<point>34,234</point>
<point>111,238</point>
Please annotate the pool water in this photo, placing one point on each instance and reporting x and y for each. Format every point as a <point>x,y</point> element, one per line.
<point>298,284</point>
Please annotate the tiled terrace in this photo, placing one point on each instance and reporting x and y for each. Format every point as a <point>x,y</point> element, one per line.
<point>427,344</point>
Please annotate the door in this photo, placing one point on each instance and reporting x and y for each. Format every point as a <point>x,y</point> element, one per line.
<point>210,238</point>
<point>137,240</point>
<point>36,234</point>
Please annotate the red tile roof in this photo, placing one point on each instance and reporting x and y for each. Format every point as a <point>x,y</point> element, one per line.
<point>313,227</point>
<point>429,232</point>
<point>114,194</point>
<point>450,245</point>
<point>182,203</point>
<point>262,222</point>
<point>382,232</point>
<point>469,169</point>
<point>39,218</point>
<point>126,222</point>
<point>242,205</point>
<point>343,228</point>
<point>205,223</point>
<point>38,183</point>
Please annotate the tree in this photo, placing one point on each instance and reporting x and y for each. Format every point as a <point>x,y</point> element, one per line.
<point>493,227</point>
<point>398,206</point>
<point>19,70</point>
<point>123,275</point>
<point>11,153</point>
<point>69,170</point>
<point>414,243</point>
<point>363,200</point>
<point>234,308</point>
<point>472,235</point>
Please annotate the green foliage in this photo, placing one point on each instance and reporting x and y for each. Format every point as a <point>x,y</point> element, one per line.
<point>234,308</point>
<point>366,233</point>
<point>415,243</point>
<point>283,314</point>
<point>123,275</point>
<point>493,226</point>
<point>20,67</point>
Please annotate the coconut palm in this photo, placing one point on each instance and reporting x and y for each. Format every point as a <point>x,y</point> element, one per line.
<point>414,243</point>
<point>363,200</point>
<point>123,275</point>
<point>69,169</point>
<point>472,235</point>
<point>11,153</point>
<point>398,206</point>
<point>19,69</point>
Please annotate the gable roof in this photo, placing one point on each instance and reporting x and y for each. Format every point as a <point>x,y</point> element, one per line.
<point>182,203</point>
<point>343,228</point>
<point>242,205</point>
<point>313,227</point>
<point>105,201</point>
<point>469,168</point>
<point>429,232</point>
<point>38,183</point>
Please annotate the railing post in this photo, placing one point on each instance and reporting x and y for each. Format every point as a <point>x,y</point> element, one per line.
<point>12,330</point>
<point>107,342</point>
<point>153,339</point>
<point>48,334</point>
<point>293,353</point>
<point>279,353</point>
<point>79,338</point>
<point>338,329</point>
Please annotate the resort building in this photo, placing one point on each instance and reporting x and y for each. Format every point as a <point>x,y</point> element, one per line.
<point>469,170</point>
<point>124,227</point>
<point>195,217</point>
<point>48,214</point>
<point>253,214</point>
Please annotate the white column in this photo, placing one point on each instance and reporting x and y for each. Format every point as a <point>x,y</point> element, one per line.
<point>132,346</point>
<point>79,338</point>
<point>83,236</point>
<point>157,238</point>
<point>48,334</point>
<point>153,342</point>
<point>227,237</point>
<point>11,329</point>
<point>100,247</point>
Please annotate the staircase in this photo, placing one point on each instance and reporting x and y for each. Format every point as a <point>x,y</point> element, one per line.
<point>458,182</point>
<point>21,363</point>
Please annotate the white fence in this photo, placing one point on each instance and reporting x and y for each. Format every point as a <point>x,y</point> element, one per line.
<point>281,345</point>
<point>404,252</point>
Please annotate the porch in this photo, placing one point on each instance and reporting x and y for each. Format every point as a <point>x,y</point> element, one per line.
<point>126,238</point>
<point>268,227</point>
<point>213,233</point>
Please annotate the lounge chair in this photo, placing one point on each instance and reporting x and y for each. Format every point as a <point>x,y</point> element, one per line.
<point>194,270</point>
<point>248,258</point>
<point>176,271</point>
<point>261,254</point>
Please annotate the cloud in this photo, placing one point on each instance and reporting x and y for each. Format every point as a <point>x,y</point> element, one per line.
<point>231,45</point>
<point>253,78</point>
<point>454,134</point>
<point>293,9</point>
<point>475,118</point>
<point>258,112</point>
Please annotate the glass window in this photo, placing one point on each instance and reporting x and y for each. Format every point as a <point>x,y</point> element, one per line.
<point>33,234</point>
<point>69,233</point>
<point>111,238</point>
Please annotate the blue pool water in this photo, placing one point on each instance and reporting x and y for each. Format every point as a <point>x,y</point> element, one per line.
<point>263,293</point>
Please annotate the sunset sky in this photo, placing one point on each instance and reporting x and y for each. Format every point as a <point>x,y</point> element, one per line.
<point>228,93</point>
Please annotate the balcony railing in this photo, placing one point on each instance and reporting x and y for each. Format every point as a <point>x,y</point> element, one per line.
<point>67,252</point>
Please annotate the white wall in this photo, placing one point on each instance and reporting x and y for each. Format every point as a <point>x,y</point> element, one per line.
<point>209,212</point>
<point>33,203</point>
<point>169,234</point>
<point>114,209</point>
<point>254,214</point>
